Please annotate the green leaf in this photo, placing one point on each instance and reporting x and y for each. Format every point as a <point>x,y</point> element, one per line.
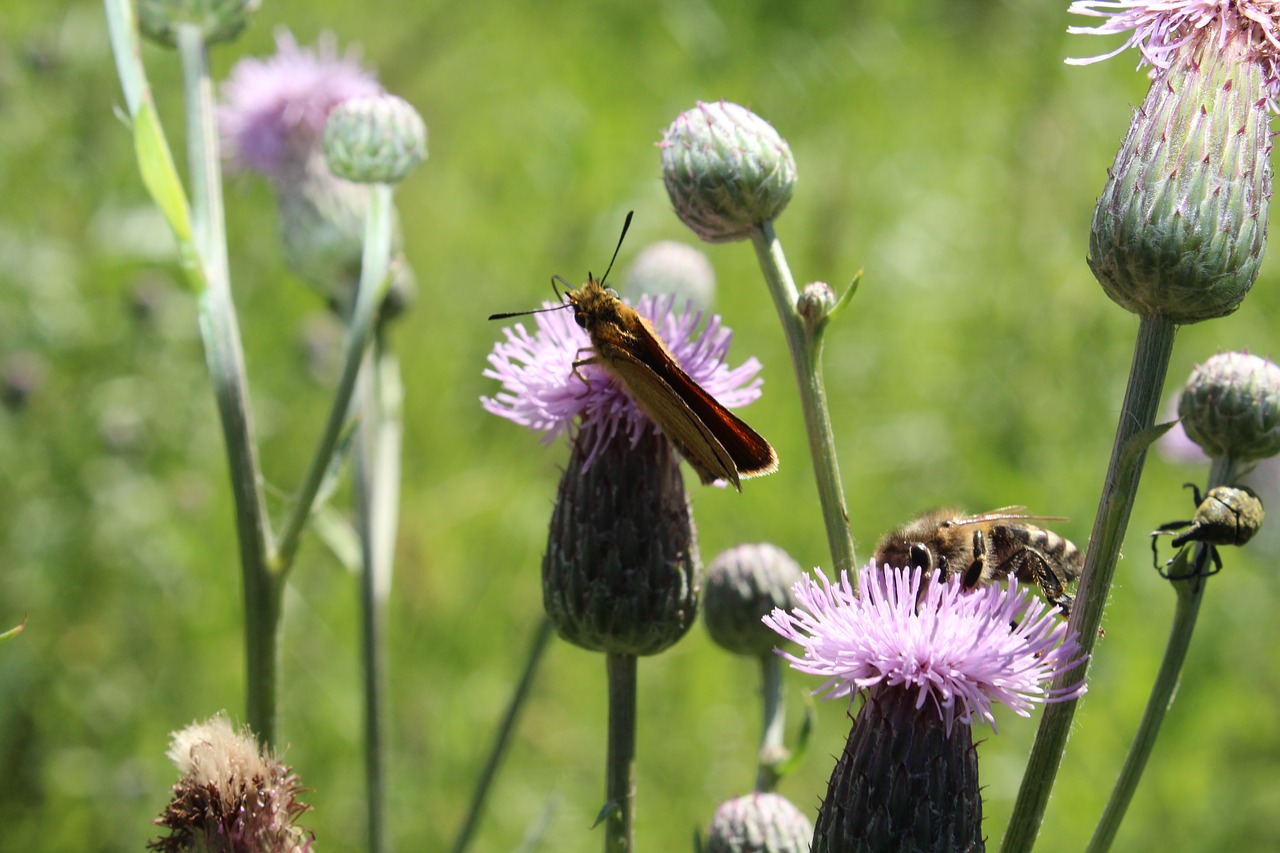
<point>160,177</point>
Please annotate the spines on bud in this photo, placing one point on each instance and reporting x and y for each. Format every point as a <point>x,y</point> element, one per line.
<point>374,140</point>
<point>1231,407</point>
<point>726,170</point>
<point>1181,225</point>
<point>745,584</point>
<point>759,823</point>
<point>621,573</point>
<point>217,20</point>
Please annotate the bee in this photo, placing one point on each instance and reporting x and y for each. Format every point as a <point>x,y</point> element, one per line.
<point>986,548</point>
<point>1227,515</point>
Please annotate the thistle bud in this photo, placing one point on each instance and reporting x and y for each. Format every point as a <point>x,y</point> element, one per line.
<point>668,267</point>
<point>217,20</point>
<point>232,798</point>
<point>1181,225</point>
<point>745,584</point>
<point>726,170</point>
<point>816,303</point>
<point>1231,407</point>
<point>621,573</point>
<point>759,823</point>
<point>374,140</point>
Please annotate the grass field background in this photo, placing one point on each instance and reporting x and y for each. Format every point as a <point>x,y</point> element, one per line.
<point>942,146</point>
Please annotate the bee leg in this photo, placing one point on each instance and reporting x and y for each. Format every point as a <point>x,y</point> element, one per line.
<point>1029,565</point>
<point>973,574</point>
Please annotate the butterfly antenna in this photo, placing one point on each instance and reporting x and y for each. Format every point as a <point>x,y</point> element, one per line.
<point>507,314</point>
<point>625,226</point>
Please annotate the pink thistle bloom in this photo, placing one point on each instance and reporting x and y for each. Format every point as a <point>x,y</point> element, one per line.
<point>1160,28</point>
<point>960,650</point>
<point>541,391</point>
<point>273,110</point>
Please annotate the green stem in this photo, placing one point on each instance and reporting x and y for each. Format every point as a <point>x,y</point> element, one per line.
<point>1137,415</point>
<point>502,739</point>
<point>773,750</point>
<point>224,355</point>
<point>377,479</point>
<point>374,280</point>
<point>806,357</point>
<point>1189,586</point>
<point>621,762</point>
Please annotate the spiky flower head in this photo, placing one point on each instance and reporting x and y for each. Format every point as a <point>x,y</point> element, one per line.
<point>1231,407</point>
<point>377,139</point>
<point>929,657</point>
<point>274,110</point>
<point>726,170</point>
<point>542,390</point>
<point>217,20</point>
<point>1181,225</point>
<point>232,798</point>
<point>668,267</point>
<point>759,823</point>
<point>744,584</point>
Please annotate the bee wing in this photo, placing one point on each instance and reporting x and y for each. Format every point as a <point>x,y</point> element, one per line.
<point>1004,513</point>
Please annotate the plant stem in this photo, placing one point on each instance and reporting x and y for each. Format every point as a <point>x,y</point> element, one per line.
<point>772,749</point>
<point>377,479</point>
<point>541,639</point>
<point>224,355</point>
<point>374,280</point>
<point>806,357</point>
<point>621,768</point>
<point>1189,583</point>
<point>1137,415</point>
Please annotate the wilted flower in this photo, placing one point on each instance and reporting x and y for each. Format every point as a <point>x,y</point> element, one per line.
<point>232,798</point>
<point>542,391</point>
<point>929,657</point>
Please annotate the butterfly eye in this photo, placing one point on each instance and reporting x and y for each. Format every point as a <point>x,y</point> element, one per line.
<point>580,319</point>
<point>921,557</point>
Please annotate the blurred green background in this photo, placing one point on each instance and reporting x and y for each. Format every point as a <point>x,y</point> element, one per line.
<point>942,145</point>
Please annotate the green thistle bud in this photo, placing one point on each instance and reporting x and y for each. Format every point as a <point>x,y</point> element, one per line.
<point>217,20</point>
<point>816,303</point>
<point>374,140</point>
<point>621,573</point>
<point>1231,407</point>
<point>759,823</point>
<point>745,584</point>
<point>903,783</point>
<point>726,170</point>
<point>668,267</point>
<point>1181,225</point>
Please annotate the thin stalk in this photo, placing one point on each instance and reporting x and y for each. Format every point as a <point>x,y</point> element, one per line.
<point>377,478</point>
<point>374,280</point>
<point>806,358</point>
<point>1137,415</point>
<point>772,749</point>
<point>224,355</point>
<point>620,790</point>
<point>1189,583</point>
<point>502,738</point>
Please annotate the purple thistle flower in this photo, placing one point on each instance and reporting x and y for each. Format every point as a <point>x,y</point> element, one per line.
<point>274,110</point>
<point>1159,28</point>
<point>955,648</point>
<point>541,391</point>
